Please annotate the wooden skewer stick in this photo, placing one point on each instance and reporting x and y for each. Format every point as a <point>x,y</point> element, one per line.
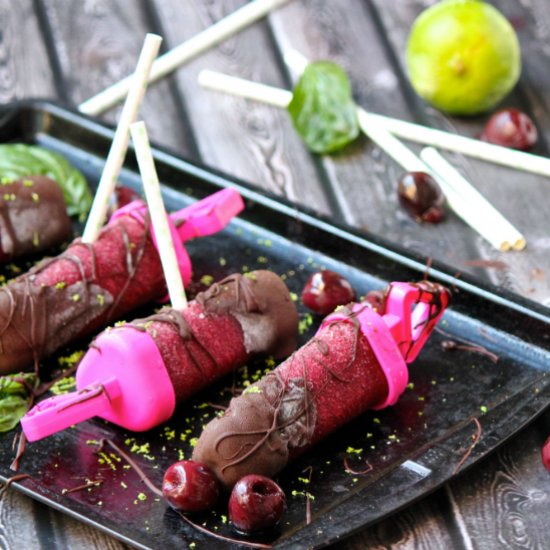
<point>159,220</point>
<point>115,158</point>
<point>183,53</point>
<point>475,217</point>
<point>439,138</point>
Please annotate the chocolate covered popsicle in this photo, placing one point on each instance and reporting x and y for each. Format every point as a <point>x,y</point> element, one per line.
<point>136,374</point>
<point>81,290</point>
<point>356,361</point>
<point>33,216</point>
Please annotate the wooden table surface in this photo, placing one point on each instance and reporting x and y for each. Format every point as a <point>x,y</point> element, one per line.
<point>70,50</point>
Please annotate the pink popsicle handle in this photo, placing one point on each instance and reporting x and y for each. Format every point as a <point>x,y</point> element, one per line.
<point>61,411</point>
<point>411,313</point>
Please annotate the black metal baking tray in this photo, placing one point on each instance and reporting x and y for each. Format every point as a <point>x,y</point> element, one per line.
<point>412,448</point>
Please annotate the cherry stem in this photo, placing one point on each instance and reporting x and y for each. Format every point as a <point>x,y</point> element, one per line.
<point>350,470</point>
<point>476,437</point>
<point>11,480</point>
<point>86,485</point>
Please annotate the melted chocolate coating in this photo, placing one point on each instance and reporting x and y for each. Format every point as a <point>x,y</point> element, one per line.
<point>222,328</point>
<point>77,292</point>
<point>33,216</point>
<point>326,383</point>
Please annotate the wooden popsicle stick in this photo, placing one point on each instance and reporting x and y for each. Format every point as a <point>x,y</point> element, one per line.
<point>117,152</point>
<point>183,53</point>
<point>159,219</point>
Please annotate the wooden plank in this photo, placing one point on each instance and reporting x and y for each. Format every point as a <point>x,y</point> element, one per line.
<point>516,194</point>
<point>250,141</point>
<point>16,527</point>
<point>363,178</point>
<point>97,44</point>
<point>24,65</point>
<point>422,526</point>
<point>505,504</point>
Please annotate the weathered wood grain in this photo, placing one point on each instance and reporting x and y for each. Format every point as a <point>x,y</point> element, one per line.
<point>517,195</point>
<point>516,494</point>
<point>98,43</point>
<point>24,67</point>
<point>245,139</point>
<point>420,527</point>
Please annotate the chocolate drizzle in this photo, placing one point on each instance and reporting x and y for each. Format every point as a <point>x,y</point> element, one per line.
<point>233,319</point>
<point>38,315</point>
<point>275,418</point>
<point>326,383</point>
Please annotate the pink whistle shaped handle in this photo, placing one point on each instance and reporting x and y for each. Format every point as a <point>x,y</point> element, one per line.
<point>122,378</point>
<point>60,412</point>
<point>200,219</point>
<point>411,313</point>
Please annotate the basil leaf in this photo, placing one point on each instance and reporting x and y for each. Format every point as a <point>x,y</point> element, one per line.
<point>15,398</point>
<point>322,108</point>
<point>20,160</point>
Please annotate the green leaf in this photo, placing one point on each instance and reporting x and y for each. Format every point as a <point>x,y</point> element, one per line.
<point>322,108</point>
<point>20,160</point>
<point>15,398</point>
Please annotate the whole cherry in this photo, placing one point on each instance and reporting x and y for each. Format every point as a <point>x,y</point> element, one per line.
<point>121,197</point>
<point>511,128</point>
<point>376,299</point>
<point>325,290</point>
<point>256,504</point>
<point>421,197</point>
<point>190,486</point>
<point>546,454</point>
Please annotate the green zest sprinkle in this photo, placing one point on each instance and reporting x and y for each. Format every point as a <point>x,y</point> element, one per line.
<point>207,280</point>
<point>70,360</point>
<point>35,239</point>
<point>294,296</point>
<point>193,441</point>
<point>252,389</point>
<point>28,183</point>
<point>64,385</point>
<point>223,261</point>
<point>75,297</point>
<point>100,299</point>
<point>60,285</point>
<point>35,197</point>
<point>351,450</point>
<point>483,409</point>
<point>142,496</point>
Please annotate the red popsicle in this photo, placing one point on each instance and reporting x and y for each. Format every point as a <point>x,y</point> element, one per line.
<point>78,292</point>
<point>135,375</point>
<point>357,361</point>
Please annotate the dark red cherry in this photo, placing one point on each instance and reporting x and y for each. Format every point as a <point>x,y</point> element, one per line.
<point>511,128</point>
<point>256,504</point>
<point>121,197</point>
<point>421,197</point>
<point>376,299</point>
<point>190,486</point>
<point>546,454</point>
<point>325,290</point>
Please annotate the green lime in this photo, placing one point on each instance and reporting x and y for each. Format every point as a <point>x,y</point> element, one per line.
<point>463,56</point>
